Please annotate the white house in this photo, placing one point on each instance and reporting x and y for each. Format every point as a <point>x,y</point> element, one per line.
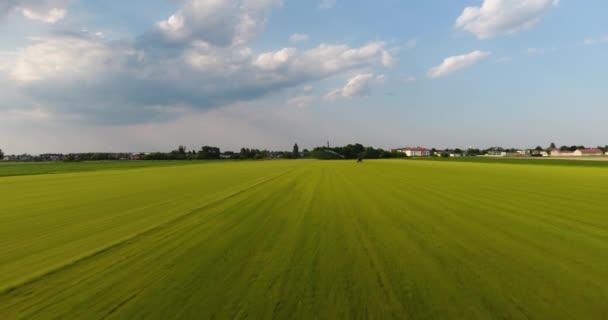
<point>559,153</point>
<point>417,152</point>
<point>577,153</point>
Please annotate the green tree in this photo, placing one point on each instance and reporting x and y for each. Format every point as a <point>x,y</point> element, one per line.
<point>209,153</point>
<point>1,154</point>
<point>553,145</point>
<point>296,151</point>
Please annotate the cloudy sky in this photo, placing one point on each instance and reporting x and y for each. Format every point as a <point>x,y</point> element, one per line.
<point>147,75</point>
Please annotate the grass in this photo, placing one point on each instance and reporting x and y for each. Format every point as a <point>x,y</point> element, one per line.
<point>597,162</point>
<point>307,239</point>
<point>9,169</point>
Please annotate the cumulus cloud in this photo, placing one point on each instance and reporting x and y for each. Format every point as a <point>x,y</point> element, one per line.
<point>298,37</point>
<point>64,57</point>
<point>496,17</point>
<point>218,22</point>
<point>119,82</point>
<point>455,63</point>
<point>198,59</point>
<point>47,11</point>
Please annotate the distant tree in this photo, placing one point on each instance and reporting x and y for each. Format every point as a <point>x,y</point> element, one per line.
<point>445,154</point>
<point>245,153</point>
<point>209,153</point>
<point>306,153</point>
<point>553,145</point>
<point>539,148</point>
<point>296,151</point>
<point>179,154</point>
<point>473,152</point>
<point>1,154</point>
<point>371,153</point>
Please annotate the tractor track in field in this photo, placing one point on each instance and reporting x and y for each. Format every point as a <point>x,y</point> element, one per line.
<point>133,238</point>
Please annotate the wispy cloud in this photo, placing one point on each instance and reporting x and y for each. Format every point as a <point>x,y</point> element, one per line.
<point>596,40</point>
<point>299,37</point>
<point>357,86</point>
<point>455,63</point>
<point>47,11</point>
<point>327,4</point>
<point>301,101</point>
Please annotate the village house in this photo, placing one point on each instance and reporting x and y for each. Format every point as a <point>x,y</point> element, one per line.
<point>495,153</point>
<point>415,152</point>
<point>561,153</point>
<point>588,152</point>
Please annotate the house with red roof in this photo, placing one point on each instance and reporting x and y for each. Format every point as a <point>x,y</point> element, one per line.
<point>588,152</point>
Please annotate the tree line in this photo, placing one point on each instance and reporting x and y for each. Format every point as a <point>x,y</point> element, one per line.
<point>350,151</point>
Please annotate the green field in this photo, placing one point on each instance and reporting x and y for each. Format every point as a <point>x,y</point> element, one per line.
<point>8,169</point>
<point>306,239</point>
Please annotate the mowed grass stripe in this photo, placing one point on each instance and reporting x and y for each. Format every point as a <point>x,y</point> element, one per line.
<point>222,227</point>
<point>383,239</point>
<point>39,237</point>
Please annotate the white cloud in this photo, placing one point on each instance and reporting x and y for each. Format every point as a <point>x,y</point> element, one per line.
<point>47,11</point>
<point>455,63</point>
<point>298,37</point>
<point>51,16</point>
<point>219,22</point>
<point>327,4</point>
<point>329,59</point>
<point>496,17</point>
<point>145,79</point>
<point>274,60</point>
<point>64,58</point>
<point>357,86</point>
<point>117,81</point>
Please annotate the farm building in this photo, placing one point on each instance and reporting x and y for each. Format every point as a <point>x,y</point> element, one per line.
<point>415,152</point>
<point>561,153</point>
<point>588,152</point>
<point>577,153</point>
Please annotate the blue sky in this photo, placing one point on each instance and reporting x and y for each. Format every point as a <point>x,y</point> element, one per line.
<point>142,75</point>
